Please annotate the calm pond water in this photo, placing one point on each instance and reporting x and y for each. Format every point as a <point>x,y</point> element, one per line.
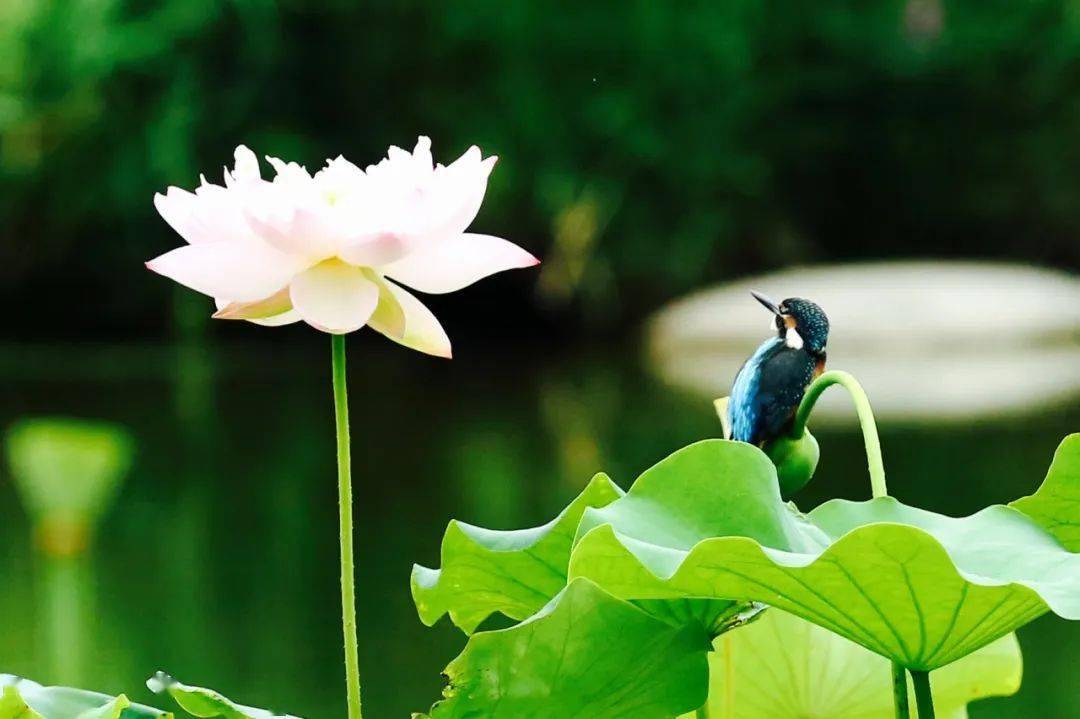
<point>218,561</point>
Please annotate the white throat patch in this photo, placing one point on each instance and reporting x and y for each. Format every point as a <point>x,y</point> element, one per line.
<point>793,339</point>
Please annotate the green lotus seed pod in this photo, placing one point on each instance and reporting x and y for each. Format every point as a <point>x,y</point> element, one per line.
<point>795,460</point>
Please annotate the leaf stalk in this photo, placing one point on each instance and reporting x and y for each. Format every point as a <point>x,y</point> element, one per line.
<point>900,691</point>
<point>876,466</point>
<point>924,699</point>
<point>866,422</point>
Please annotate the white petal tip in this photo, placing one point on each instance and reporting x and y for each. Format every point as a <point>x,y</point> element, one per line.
<point>161,198</point>
<point>487,165</point>
<point>527,260</point>
<point>226,313</point>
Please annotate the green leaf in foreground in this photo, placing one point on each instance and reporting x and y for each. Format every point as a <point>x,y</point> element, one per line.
<point>25,699</point>
<point>782,667</point>
<point>201,702</point>
<point>914,586</point>
<point>514,572</point>
<point>1056,504</point>
<point>585,654</point>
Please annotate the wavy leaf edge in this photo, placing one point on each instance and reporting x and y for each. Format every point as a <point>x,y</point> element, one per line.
<point>434,594</point>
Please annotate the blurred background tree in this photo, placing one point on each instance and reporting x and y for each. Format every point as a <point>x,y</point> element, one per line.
<point>647,147</point>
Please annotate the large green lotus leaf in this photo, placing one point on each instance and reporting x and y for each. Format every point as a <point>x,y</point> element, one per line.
<point>783,667</point>
<point>202,702</point>
<point>585,654</point>
<point>1056,504</point>
<point>25,699</point>
<point>913,586</point>
<point>514,572</point>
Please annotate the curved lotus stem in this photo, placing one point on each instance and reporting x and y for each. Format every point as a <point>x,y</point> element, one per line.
<point>866,421</point>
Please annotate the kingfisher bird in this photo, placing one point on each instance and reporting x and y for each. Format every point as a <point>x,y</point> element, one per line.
<point>771,384</point>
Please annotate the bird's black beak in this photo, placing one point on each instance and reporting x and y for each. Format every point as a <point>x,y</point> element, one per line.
<point>766,302</point>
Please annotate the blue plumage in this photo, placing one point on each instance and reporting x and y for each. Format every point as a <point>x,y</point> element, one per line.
<point>771,384</point>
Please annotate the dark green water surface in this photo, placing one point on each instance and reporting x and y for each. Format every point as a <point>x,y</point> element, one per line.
<point>218,561</point>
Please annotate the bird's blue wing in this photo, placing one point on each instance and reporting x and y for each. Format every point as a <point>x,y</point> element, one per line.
<point>768,390</point>
<point>785,375</point>
<point>743,407</point>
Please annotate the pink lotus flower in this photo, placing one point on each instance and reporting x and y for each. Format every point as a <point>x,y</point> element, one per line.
<point>331,248</point>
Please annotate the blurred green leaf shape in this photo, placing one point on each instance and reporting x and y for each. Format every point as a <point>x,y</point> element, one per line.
<point>1056,504</point>
<point>585,654</point>
<point>201,702</point>
<point>69,468</point>
<point>25,699</point>
<point>916,587</point>
<point>783,667</point>
<point>513,572</point>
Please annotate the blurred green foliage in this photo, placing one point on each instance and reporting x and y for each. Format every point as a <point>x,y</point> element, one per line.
<point>67,472</point>
<point>647,147</point>
<point>68,467</point>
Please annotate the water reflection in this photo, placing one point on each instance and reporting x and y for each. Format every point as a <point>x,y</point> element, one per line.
<point>219,564</point>
<point>68,473</point>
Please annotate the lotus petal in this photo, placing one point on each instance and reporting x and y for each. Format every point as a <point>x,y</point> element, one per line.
<point>243,272</point>
<point>334,297</point>
<point>457,262</point>
<point>404,319</point>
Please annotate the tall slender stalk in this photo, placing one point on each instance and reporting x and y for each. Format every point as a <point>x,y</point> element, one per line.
<point>345,515</point>
<point>876,466</point>
<point>924,700</point>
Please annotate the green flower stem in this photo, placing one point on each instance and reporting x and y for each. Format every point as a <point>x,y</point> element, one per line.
<point>866,420</point>
<point>900,692</point>
<point>924,700</point>
<point>877,476</point>
<point>345,509</point>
